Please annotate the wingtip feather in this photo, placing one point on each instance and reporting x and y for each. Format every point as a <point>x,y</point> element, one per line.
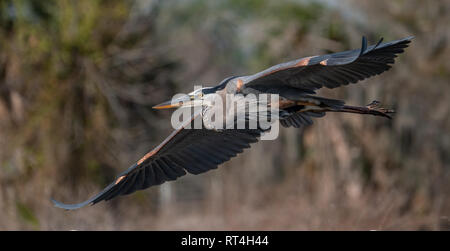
<point>68,206</point>
<point>363,45</point>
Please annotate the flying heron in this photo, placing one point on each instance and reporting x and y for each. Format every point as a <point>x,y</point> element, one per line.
<point>199,150</point>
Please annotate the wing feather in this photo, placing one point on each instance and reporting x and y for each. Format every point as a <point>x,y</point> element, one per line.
<point>331,70</point>
<point>193,150</point>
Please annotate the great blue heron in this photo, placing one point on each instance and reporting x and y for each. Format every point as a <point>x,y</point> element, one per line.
<point>199,150</point>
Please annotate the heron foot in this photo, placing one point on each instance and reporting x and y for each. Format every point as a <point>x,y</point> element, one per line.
<point>376,106</point>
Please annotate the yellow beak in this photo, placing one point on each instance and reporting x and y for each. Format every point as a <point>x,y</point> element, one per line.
<point>174,103</point>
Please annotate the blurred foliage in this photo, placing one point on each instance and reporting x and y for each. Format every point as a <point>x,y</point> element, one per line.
<point>78,79</point>
<point>27,215</point>
<point>61,51</point>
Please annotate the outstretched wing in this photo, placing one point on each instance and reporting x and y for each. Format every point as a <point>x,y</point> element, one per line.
<point>331,70</point>
<point>192,150</point>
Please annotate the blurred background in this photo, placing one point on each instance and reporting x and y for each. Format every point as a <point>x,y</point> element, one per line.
<point>78,80</point>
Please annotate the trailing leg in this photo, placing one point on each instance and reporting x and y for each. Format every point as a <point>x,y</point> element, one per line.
<point>372,109</point>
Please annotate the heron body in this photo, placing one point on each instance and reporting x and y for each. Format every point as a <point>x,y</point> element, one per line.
<point>295,83</point>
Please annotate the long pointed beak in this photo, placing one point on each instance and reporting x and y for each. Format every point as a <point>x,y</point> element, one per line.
<point>175,103</point>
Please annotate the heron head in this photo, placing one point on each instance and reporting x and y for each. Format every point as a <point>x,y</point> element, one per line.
<point>192,99</point>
